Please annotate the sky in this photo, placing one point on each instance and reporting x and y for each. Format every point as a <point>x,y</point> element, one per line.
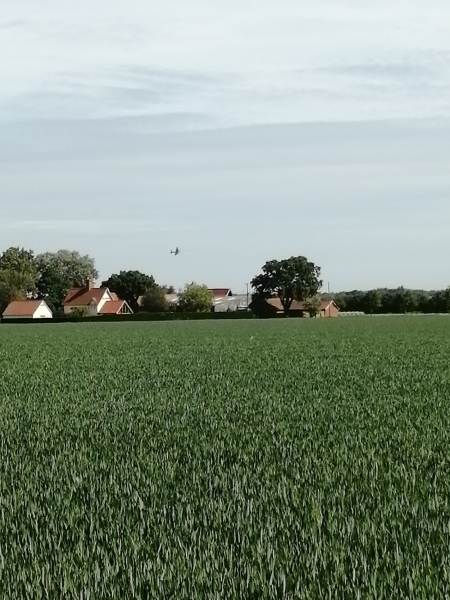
<point>239,131</point>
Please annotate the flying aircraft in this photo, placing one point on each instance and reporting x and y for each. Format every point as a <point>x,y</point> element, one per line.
<point>176,251</point>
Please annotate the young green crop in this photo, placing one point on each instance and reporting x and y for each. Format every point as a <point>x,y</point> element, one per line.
<point>260,459</point>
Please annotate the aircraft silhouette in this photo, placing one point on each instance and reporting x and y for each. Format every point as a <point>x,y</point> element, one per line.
<point>176,251</point>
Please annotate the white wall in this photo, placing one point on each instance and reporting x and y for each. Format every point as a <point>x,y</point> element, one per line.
<point>106,296</point>
<point>43,312</point>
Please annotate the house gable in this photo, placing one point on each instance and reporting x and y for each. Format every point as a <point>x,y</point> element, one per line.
<point>116,307</point>
<point>89,298</point>
<point>97,301</point>
<point>220,293</point>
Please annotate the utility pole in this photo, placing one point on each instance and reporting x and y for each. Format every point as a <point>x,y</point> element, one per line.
<point>329,300</point>
<point>247,294</point>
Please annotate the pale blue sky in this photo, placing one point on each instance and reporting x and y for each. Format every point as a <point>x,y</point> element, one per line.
<point>239,131</point>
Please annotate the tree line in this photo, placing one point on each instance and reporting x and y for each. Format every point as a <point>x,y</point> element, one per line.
<point>50,275</point>
<point>396,301</point>
<point>297,278</point>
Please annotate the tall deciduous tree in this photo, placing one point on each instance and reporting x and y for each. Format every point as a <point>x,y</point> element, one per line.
<point>18,274</point>
<point>59,271</point>
<point>195,298</point>
<point>130,286</point>
<point>294,278</point>
<point>52,287</point>
<point>154,300</point>
<point>74,268</point>
<point>312,305</point>
<point>404,300</point>
<point>372,301</point>
<point>12,287</point>
<point>20,261</point>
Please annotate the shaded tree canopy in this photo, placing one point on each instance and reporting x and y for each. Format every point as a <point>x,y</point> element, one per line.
<point>313,304</point>
<point>59,271</point>
<point>396,301</point>
<point>372,301</point>
<point>20,261</point>
<point>130,286</point>
<point>154,300</point>
<point>290,279</point>
<point>52,287</point>
<point>18,275</point>
<point>73,267</point>
<point>195,298</point>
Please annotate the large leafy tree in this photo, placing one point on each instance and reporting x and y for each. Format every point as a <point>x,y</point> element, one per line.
<point>20,261</point>
<point>12,287</point>
<point>372,301</point>
<point>59,271</point>
<point>312,305</point>
<point>294,278</point>
<point>130,286</point>
<point>18,275</point>
<point>404,301</point>
<point>73,267</point>
<point>154,300</point>
<point>53,287</point>
<point>195,298</point>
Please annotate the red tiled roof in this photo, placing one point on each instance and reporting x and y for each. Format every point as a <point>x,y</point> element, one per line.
<point>114,296</point>
<point>22,308</point>
<point>220,292</point>
<point>112,307</point>
<point>83,297</point>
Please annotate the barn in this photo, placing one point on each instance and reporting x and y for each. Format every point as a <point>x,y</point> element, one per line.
<point>27,309</point>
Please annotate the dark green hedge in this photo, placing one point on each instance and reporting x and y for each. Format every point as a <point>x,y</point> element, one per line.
<point>169,316</point>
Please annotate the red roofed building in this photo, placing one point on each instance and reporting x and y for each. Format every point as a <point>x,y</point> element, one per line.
<point>94,300</point>
<point>328,308</point>
<point>220,293</point>
<point>115,307</point>
<point>27,309</point>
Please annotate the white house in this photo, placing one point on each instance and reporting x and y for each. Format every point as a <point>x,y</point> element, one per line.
<point>96,301</point>
<point>27,309</point>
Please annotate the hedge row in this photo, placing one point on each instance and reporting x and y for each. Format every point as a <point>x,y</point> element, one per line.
<point>169,316</point>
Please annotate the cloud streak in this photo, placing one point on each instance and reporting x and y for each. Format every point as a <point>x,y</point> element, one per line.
<point>231,65</point>
<point>100,227</point>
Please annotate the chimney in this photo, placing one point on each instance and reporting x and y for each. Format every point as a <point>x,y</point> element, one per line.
<point>89,284</point>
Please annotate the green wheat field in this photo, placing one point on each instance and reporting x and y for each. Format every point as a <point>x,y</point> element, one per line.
<point>213,460</point>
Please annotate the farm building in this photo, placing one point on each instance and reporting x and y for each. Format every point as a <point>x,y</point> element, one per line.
<point>237,302</point>
<point>222,298</point>
<point>220,293</point>
<point>27,309</point>
<point>328,308</point>
<point>97,301</point>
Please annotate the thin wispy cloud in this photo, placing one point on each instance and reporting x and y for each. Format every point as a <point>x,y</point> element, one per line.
<point>233,65</point>
<point>12,24</point>
<point>103,227</point>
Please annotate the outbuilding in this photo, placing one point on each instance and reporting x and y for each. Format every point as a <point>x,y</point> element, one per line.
<point>327,308</point>
<point>27,309</point>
